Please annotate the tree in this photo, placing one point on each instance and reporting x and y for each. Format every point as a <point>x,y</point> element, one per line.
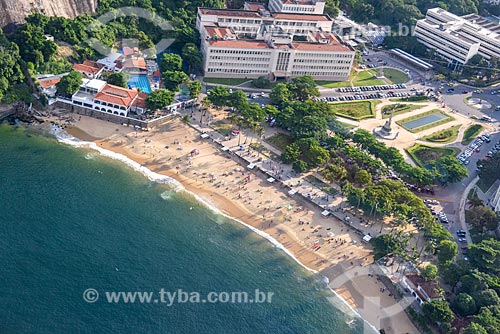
<point>271,110</point>
<point>489,319</point>
<point>475,328</point>
<point>429,272</point>
<point>238,100</point>
<point>438,311</point>
<point>482,218</point>
<point>192,56</point>
<point>69,84</point>
<point>280,94</point>
<point>486,297</point>
<point>465,304</point>
<point>159,99</point>
<point>334,173</point>
<point>173,79</point>
<point>118,79</point>
<point>486,256</point>
<point>291,154</point>
<point>303,88</point>
<point>219,96</point>
<point>170,62</point>
<point>194,89</point>
<point>362,177</point>
<point>447,251</point>
<point>454,171</point>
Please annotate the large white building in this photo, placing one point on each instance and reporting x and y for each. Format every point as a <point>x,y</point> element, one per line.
<point>458,39</point>
<point>255,43</point>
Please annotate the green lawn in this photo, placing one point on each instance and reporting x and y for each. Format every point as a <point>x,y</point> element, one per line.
<point>423,155</point>
<point>280,141</point>
<point>471,132</point>
<point>399,109</point>
<point>223,128</point>
<point>426,126</point>
<point>367,78</point>
<point>226,81</point>
<point>361,78</point>
<point>421,98</point>
<point>356,110</point>
<point>444,136</point>
<point>395,76</point>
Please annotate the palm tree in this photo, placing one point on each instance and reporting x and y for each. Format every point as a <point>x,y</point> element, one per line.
<point>259,129</point>
<point>474,201</point>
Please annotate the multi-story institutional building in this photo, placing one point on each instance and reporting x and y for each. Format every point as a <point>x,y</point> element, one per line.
<point>458,39</point>
<point>297,6</point>
<point>255,43</point>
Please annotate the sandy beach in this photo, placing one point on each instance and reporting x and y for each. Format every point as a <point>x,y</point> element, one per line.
<point>325,245</point>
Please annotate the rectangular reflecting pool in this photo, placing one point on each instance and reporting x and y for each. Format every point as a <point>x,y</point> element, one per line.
<point>423,121</point>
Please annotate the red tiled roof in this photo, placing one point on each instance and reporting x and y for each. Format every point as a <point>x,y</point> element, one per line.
<point>255,6</point>
<point>219,32</point>
<point>135,63</point>
<point>230,12</point>
<point>94,64</point>
<point>116,95</point>
<point>49,83</point>
<point>239,44</point>
<point>140,101</point>
<point>301,17</point>
<point>86,69</point>
<point>320,47</point>
<point>128,51</point>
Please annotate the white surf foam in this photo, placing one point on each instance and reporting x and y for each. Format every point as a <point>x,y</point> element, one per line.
<point>63,137</point>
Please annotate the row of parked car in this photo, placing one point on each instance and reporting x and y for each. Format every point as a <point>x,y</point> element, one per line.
<point>474,147</point>
<point>370,88</point>
<point>359,96</point>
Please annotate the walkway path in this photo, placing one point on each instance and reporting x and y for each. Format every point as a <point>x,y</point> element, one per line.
<point>463,202</point>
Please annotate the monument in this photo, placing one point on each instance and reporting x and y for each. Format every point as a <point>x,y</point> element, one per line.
<point>385,131</point>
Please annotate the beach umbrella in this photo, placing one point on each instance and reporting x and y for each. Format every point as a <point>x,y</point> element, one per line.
<point>289,207</point>
<point>195,151</point>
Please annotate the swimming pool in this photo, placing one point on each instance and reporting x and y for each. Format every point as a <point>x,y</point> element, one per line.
<point>419,122</point>
<point>140,81</point>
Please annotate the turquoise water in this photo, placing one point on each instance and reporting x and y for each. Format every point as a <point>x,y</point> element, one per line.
<point>419,122</point>
<point>140,81</point>
<point>72,220</point>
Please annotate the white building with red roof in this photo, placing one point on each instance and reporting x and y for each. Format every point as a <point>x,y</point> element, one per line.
<point>251,44</point>
<point>101,96</point>
<point>90,69</point>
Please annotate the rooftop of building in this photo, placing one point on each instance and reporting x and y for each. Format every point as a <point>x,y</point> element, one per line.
<point>47,83</point>
<point>94,84</point>
<point>138,62</point>
<point>452,23</point>
<point>256,14</point>
<point>255,6</point>
<point>230,12</point>
<point>318,41</point>
<point>430,287</point>
<point>88,66</point>
<point>116,95</point>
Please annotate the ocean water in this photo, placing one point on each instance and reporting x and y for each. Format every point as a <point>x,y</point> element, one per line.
<point>71,220</point>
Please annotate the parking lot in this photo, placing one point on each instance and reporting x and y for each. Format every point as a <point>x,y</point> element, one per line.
<point>475,147</point>
<point>378,92</point>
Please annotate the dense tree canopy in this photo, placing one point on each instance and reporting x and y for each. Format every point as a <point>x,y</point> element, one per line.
<point>159,99</point>
<point>118,79</point>
<point>69,84</point>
